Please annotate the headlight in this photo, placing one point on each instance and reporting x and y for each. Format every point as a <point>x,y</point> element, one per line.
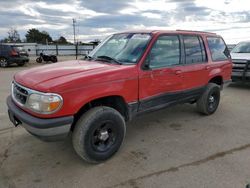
<point>44,103</point>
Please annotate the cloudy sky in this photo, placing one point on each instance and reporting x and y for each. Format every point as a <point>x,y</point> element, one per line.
<point>98,18</point>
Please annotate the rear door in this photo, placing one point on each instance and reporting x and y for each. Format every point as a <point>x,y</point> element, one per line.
<point>161,83</point>
<point>195,69</point>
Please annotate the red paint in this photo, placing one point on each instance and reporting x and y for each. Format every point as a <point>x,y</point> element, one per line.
<point>80,82</point>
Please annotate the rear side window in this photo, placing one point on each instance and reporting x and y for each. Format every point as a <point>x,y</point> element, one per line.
<point>218,49</point>
<point>194,49</point>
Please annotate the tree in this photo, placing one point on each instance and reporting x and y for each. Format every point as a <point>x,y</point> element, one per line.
<point>13,36</point>
<point>34,35</point>
<point>62,40</point>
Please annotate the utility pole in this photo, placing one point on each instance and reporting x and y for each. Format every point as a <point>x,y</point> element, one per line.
<point>74,31</point>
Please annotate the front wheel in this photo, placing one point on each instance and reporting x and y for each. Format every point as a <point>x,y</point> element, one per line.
<point>209,101</point>
<point>98,134</point>
<point>39,60</point>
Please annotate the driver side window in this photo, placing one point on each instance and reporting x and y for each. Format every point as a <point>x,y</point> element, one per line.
<point>165,52</point>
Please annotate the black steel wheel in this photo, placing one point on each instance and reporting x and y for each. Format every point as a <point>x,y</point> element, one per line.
<point>104,136</point>
<point>209,101</point>
<point>98,134</point>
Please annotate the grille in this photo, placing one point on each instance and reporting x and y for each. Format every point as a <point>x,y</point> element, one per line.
<point>19,93</point>
<point>241,66</point>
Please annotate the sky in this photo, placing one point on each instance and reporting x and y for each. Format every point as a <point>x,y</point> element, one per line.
<point>96,19</point>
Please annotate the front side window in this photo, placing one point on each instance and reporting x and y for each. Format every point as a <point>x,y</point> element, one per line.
<point>194,49</point>
<point>165,52</point>
<point>218,49</point>
<point>125,47</point>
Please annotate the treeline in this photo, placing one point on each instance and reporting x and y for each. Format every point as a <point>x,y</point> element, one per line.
<point>33,35</point>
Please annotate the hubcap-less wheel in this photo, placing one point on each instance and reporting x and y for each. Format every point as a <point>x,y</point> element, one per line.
<point>209,101</point>
<point>104,137</point>
<point>3,62</point>
<point>212,102</point>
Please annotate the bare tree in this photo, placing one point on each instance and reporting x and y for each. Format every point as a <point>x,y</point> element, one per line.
<point>13,35</point>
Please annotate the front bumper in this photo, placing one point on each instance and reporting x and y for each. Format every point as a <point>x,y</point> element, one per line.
<point>241,70</point>
<point>46,129</point>
<point>241,76</point>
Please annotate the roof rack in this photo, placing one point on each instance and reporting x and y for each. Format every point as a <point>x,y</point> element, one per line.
<point>195,31</point>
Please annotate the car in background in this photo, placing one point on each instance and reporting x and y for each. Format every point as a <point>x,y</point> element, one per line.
<point>21,50</point>
<point>230,46</point>
<point>241,62</point>
<point>11,54</point>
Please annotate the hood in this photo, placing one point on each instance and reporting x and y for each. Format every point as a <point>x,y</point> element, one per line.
<point>46,78</point>
<point>245,56</point>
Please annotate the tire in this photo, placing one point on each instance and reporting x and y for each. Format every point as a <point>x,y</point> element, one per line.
<point>209,101</point>
<point>21,64</point>
<point>39,60</point>
<point>98,134</point>
<point>3,62</point>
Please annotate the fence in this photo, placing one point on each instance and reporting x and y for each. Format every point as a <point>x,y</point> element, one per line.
<point>65,49</point>
<point>35,49</point>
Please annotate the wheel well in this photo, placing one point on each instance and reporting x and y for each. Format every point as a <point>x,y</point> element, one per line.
<point>116,102</point>
<point>217,80</point>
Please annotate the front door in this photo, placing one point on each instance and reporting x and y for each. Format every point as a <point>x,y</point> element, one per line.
<point>161,83</point>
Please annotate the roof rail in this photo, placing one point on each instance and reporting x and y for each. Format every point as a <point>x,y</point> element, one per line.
<point>195,31</point>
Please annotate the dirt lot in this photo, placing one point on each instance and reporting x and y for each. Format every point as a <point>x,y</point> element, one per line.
<point>175,147</point>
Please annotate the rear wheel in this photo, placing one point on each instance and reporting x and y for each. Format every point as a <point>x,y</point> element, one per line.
<point>98,134</point>
<point>54,59</point>
<point>3,62</point>
<point>209,101</point>
<point>21,64</point>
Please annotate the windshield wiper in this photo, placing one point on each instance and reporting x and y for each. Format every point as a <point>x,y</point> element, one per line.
<point>107,58</point>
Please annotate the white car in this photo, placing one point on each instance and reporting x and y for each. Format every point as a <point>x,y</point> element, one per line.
<point>241,62</point>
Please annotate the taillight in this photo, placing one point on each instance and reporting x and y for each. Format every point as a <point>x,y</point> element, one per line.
<point>13,53</point>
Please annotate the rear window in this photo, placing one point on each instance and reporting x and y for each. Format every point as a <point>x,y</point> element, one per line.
<point>218,49</point>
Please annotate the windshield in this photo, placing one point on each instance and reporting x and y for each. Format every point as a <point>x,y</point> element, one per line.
<point>243,47</point>
<point>125,48</point>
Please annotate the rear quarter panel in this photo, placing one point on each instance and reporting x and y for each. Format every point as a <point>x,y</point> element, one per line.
<point>217,68</point>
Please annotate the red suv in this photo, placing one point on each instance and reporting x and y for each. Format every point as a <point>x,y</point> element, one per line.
<point>128,74</point>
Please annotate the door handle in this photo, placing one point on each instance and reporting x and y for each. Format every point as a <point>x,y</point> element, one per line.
<point>178,72</point>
